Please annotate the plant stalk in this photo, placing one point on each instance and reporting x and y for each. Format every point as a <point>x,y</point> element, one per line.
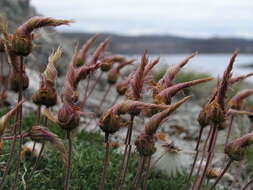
<point>106,159</point>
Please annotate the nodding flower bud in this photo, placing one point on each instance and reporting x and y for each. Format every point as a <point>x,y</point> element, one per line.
<point>215,113</point>
<point>111,122</point>
<point>236,149</point>
<point>145,144</point>
<point>46,95</point>
<point>122,87</point>
<point>15,81</point>
<point>107,63</point>
<point>68,116</point>
<point>202,118</point>
<point>237,101</point>
<point>114,73</point>
<point>22,38</point>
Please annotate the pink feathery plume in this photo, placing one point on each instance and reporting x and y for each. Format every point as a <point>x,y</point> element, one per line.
<point>165,95</point>
<point>138,79</point>
<point>237,101</point>
<point>234,80</point>
<point>223,85</point>
<point>156,120</point>
<point>82,53</point>
<point>166,81</point>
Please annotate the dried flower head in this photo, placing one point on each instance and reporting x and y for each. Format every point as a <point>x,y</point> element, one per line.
<point>22,38</point>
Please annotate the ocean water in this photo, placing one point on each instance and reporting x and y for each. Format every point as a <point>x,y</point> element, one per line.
<point>213,64</point>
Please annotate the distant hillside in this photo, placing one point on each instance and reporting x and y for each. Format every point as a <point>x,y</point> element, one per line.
<point>168,44</point>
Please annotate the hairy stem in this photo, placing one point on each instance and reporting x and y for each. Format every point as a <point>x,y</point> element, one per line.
<point>139,172</point>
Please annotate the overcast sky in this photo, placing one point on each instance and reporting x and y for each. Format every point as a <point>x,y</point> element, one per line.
<point>195,18</point>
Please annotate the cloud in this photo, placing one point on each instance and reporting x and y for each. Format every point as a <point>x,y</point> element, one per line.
<point>188,17</point>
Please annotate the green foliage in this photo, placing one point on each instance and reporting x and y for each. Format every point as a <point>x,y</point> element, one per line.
<point>87,164</point>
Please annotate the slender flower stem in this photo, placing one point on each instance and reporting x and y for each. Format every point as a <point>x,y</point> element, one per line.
<point>12,137</point>
<point>196,155</point>
<point>248,184</point>
<point>86,93</point>
<point>104,98</point>
<point>203,155</point>
<point>92,89</point>
<point>68,169</point>
<point>221,175</point>
<point>138,175</point>
<point>127,153</point>
<point>20,96</point>
<point>41,151</point>
<point>37,123</point>
<point>106,159</point>
<point>145,182</point>
<point>209,158</point>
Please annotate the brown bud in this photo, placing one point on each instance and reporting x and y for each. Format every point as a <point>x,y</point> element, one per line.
<point>15,81</point>
<point>21,45</point>
<point>68,117</point>
<point>215,113</point>
<point>46,95</point>
<point>145,144</point>
<point>111,122</point>
<point>236,149</point>
<point>202,118</point>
